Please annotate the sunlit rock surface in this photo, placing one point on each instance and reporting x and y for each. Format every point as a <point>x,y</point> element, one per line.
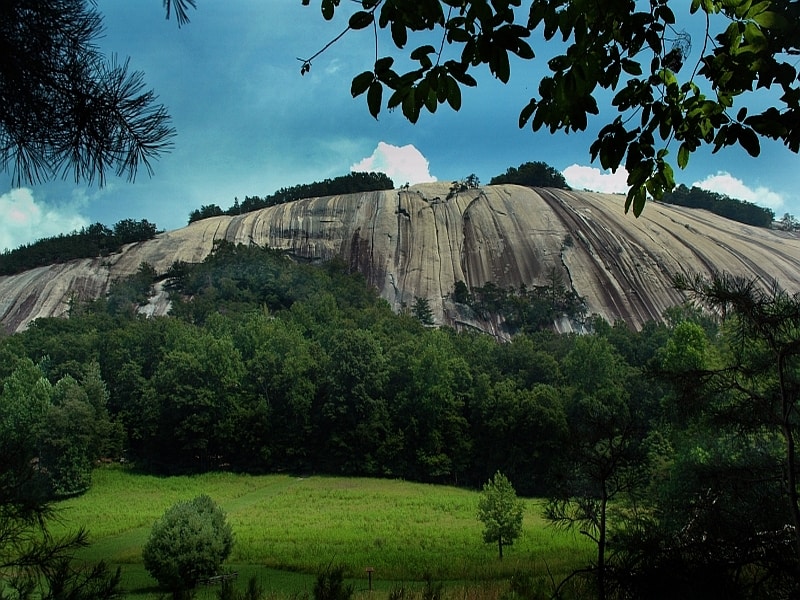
<point>419,242</point>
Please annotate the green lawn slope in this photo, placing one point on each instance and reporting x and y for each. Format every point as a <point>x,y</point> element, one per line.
<point>288,528</point>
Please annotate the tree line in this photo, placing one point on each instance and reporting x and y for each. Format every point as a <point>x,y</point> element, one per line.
<point>90,242</point>
<point>537,174</point>
<point>352,183</point>
<point>671,448</point>
<point>720,204</point>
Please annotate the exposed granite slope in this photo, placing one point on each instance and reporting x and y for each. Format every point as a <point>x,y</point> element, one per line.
<point>418,242</point>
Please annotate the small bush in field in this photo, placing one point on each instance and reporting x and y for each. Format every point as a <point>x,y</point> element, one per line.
<point>188,543</point>
<point>330,585</point>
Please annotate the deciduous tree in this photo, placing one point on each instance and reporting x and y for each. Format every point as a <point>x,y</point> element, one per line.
<point>500,512</point>
<point>189,542</point>
<point>670,99</point>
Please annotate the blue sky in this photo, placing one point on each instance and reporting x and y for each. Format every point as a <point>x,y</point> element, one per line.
<point>248,123</point>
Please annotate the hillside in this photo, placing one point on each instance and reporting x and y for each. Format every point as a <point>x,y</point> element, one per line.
<point>418,242</point>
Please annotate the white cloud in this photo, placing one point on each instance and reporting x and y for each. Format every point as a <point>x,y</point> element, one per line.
<point>404,164</point>
<point>580,177</point>
<point>24,220</point>
<point>725,183</point>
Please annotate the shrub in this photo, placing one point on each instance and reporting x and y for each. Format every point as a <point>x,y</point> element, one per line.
<point>330,585</point>
<point>189,542</point>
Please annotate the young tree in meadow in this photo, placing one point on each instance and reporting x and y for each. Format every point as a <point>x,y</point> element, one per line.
<point>188,543</point>
<point>500,512</point>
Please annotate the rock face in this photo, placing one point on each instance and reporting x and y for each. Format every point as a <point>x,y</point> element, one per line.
<point>421,240</point>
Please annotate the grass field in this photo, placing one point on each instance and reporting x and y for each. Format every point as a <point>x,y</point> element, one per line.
<point>288,528</point>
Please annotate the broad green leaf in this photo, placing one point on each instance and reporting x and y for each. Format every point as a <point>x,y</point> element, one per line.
<point>749,141</point>
<point>399,34</point>
<point>683,156</point>
<point>631,67</point>
<point>453,94</point>
<point>374,97</point>
<point>328,8</point>
<point>526,112</point>
<point>361,82</point>
<point>770,20</point>
<point>524,50</point>
<point>410,107</point>
<point>383,64</point>
<point>360,20</point>
<point>422,52</point>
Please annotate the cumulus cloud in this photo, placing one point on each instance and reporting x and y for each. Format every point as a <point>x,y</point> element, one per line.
<point>725,183</point>
<point>580,177</point>
<point>404,164</point>
<point>25,220</point>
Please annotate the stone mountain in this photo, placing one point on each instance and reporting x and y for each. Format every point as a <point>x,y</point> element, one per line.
<point>419,241</point>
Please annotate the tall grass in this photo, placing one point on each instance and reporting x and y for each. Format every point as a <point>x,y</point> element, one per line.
<point>286,525</point>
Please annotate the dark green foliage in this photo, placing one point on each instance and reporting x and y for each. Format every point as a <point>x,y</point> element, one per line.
<point>461,293</point>
<point>330,585</point>
<point>90,242</point>
<point>188,543</point>
<point>532,174</point>
<point>525,310</point>
<point>67,111</point>
<point>352,183</point>
<point>233,278</point>
<point>206,211</point>
<point>730,208</point>
<point>421,309</point>
<point>61,429</point>
<point>604,461</point>
<point>128,231</point>
<point>128,294</point>
<point>667,98</point>
<point>47,438</point>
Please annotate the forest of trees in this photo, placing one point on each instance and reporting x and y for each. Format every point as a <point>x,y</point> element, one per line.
<point>720,204</point>
<point>671,447</point>
<point>352,183</point>
<point>90,242</point>
<point>523,310</point>
<point>534,174</point>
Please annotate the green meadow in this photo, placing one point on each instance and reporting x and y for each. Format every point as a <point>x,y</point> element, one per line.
<point>288,528</point>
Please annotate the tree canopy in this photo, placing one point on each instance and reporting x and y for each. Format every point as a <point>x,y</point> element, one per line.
<point>500,512</point>
<point>670,102</point>
<point>731,208</point>
<point>188,543</point>
<point>672,449</point>
<point>537,174</point>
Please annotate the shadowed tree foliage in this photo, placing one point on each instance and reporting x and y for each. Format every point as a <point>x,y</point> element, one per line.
<point>33,563</point>
<point>671,99</point>
<point>66,109</point>
<point>737,210</point>
<point>534,174</point>
<point>757,389</point>
<point>90,242</point>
